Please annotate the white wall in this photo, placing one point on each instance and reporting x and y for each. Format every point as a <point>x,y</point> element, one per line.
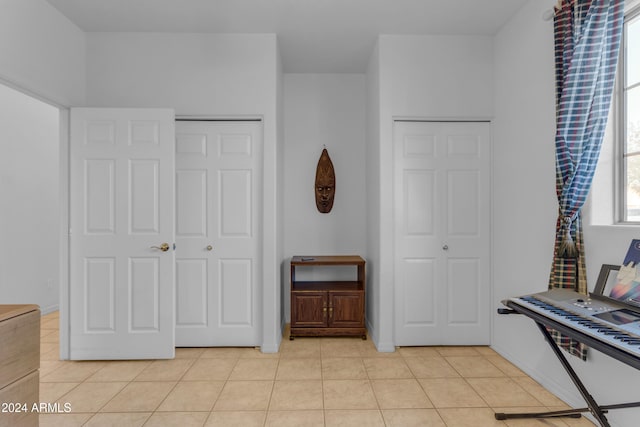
<point>195,74</point>
<point>324,109</point>
<point>205,75</point>
<point>436,76</point>
<point>41,51</point>
<point>525,209</point>
<point>29,219</point>
<point>525,204</point>
<point>425,77</point>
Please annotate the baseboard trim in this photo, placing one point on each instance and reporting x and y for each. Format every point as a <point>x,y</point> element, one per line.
<point>49,309</point>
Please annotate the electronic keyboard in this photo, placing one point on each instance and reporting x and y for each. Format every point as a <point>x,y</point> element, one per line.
<point>602,323</point>
<point>611,324</point>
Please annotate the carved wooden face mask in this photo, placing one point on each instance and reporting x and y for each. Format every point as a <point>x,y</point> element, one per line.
<point>325,183</point>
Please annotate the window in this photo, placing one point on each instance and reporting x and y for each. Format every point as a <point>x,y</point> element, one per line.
<point>629,86</point>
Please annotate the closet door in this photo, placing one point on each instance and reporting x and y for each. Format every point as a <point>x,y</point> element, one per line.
<point>442,208</point>
<point>218,238</point>
<point>121,234</point>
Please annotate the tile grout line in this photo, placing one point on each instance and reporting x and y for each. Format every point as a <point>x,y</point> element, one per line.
<point>442,352</point>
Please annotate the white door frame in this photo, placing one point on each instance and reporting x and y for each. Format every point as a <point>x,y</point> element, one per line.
<point>63,225</point>
<point>65,244</point>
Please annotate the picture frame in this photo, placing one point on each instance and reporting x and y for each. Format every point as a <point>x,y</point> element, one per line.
<point>606,279</point>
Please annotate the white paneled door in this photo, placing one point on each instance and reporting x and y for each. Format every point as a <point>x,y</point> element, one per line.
<point>218,170</point>
<point>442,233</point>
<point>121,234</point>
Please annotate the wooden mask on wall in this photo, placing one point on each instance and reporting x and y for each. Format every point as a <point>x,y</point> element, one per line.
<point>325,183</point>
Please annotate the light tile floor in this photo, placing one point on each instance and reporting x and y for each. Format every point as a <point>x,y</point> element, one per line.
<point>310,382</point>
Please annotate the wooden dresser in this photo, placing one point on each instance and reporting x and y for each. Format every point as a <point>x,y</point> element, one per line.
<point>19,365</point>
<point>328,308</point>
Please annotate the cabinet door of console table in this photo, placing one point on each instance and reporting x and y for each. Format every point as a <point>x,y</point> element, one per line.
<point>308,309</point>
<point>345,309</point>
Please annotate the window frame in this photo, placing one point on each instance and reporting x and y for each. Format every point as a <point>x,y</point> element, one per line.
<point>621,89</point>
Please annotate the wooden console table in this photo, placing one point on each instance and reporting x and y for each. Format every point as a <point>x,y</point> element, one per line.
<point>328,308</point>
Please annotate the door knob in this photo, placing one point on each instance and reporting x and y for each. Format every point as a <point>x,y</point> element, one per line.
<point>163,247</point>
<point>445,248</point>
<point>209,247</point>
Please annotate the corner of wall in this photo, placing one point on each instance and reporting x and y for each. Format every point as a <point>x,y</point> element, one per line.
<point>373,192</point>
<point>49,61</point>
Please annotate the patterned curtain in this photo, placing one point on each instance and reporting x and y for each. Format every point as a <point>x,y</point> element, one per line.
<point>587,37</point>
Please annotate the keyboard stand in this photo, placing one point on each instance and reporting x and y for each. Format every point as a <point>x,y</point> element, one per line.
<point>596,410</point>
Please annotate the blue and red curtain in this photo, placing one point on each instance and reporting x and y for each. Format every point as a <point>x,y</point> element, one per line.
<point>587,37</point>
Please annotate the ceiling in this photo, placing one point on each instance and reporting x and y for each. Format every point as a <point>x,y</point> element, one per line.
<point>318,36</point>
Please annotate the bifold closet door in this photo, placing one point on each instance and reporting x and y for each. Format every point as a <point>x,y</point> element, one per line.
<point>442,206</point>
<point>218,238</point>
